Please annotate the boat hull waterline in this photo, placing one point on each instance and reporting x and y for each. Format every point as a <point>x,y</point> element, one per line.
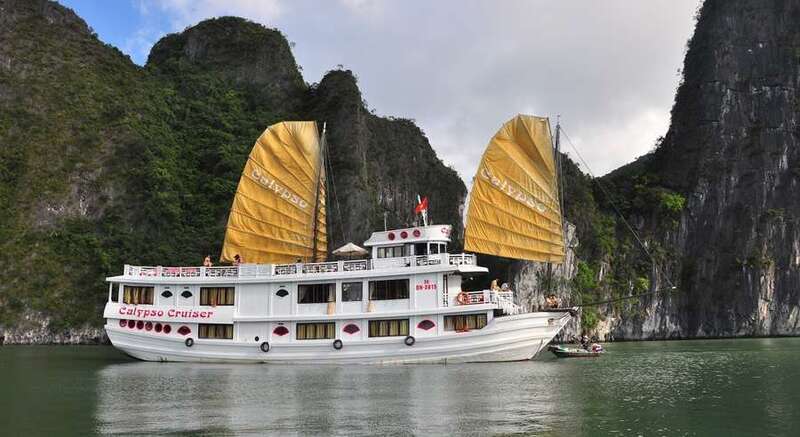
<point>510,338</point>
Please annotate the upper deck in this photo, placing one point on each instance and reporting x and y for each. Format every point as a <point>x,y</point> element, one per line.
<point>442,262</point>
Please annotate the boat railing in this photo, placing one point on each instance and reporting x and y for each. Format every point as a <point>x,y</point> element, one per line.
<point>504,299</point>
<point>266,270</point>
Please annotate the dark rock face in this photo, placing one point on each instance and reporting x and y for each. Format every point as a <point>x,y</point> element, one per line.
<point>379,166</point>
<point>733,149</point>
<point>248,54</point>
<point>732,152</point>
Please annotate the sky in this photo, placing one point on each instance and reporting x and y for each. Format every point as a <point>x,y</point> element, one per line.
<point>461,68</point>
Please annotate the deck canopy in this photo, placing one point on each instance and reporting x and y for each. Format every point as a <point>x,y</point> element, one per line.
<point>514,208</point>
<point>278,213</point>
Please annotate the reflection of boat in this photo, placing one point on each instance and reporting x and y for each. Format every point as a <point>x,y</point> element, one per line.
<point>564,352</point>
<point>404,305</point>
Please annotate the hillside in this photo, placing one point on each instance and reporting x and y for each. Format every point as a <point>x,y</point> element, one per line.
<point>103,162</point>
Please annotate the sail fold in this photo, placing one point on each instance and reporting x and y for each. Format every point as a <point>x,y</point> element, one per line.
<point>514,208</point>
<point>280,194</point>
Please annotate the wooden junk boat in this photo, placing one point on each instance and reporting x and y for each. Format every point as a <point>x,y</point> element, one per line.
<point>284,303</point>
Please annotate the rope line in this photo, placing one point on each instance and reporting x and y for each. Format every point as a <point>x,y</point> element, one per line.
<point>671,289</point>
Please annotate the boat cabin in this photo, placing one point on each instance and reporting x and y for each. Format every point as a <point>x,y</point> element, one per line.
<point>410,286</point>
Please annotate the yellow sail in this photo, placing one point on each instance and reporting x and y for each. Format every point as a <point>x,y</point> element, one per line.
<point>280,192</point>
<point>514,209</point>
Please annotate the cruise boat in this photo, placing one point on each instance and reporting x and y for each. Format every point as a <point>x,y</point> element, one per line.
<point>281,303</point>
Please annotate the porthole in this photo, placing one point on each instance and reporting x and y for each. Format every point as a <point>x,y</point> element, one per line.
<point>256,339</point>
<point>148,326</point>
<point>123,323</point>
<point>186,294</point>
<point>132,324</point>
<point>167,329</point>
<point>184,330</point>
<point>158,327</point>
<point>282,293</point>
<point>166,294</point>
<point>280,331</point>
<point>139,324</point>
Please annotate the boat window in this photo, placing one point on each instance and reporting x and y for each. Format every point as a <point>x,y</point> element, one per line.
<point>137,295</point>
<point>316,293</point>
<point>391,252</point>
<point>386,290</point>
<point>464,322</point>
<point>351,291</point>
<point>316,331</point>
<point>434,249</point>
<point>388,328</point>
<point>214,296</point>
<point>114,294</point>
<point>215,331</point>
<point>421,249</point>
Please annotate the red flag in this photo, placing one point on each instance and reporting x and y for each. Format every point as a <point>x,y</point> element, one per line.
<point>422,206</point>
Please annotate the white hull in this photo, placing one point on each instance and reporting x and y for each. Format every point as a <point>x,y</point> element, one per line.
<point>509,338</point>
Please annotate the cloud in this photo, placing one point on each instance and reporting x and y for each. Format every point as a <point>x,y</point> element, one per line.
<point>462,68</point>
<point>184,13</point>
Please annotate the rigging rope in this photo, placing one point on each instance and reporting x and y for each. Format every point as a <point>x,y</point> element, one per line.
<point>671,289</point>
<point>329,171</point>
<point>614,205</point>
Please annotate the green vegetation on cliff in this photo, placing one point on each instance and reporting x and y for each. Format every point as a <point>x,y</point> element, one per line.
<point>103,162</point>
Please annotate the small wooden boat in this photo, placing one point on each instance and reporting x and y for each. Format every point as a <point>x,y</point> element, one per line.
<point>564,352</point>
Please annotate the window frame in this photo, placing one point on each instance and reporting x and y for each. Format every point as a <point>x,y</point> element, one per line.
<point>203,330</point>
<point>374,328</point>
<point>375,293</point>
<point>360,291</point>
<point>382,251</point>
<point>451,322</point>
<point>229,296</point>
<point>328,331</point>
<point>138,295</point>
<point>330,293</point>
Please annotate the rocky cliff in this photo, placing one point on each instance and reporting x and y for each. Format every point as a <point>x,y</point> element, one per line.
<point>103,162</point>
<point>717,202</point>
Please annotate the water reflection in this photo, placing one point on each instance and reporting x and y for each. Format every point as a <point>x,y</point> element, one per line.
<point>739,387</point>
<point>469,399</point>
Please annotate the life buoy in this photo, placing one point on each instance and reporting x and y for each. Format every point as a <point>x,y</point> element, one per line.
<point>189,342</point>
<point>337,344</point>
<point>264,347</point>
<point>462,298</point>
<point>409,341</point>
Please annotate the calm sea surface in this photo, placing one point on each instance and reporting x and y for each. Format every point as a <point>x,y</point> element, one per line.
<point>705,388</point>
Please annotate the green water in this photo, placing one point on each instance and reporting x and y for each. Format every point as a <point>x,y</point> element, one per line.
<point>704,388</point>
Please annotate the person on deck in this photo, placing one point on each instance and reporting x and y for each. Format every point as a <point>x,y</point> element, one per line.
<point>237,260</point>
<point>207,261</point>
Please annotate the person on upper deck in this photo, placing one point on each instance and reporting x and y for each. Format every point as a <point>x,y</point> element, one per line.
<point>237,260</point>
<point>207,261</point>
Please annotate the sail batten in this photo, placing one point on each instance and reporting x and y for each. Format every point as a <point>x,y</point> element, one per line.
<point>514,209</point>
<point>278,212</point>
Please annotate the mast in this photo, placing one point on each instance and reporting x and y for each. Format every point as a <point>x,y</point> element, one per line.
<point>315,225</point>
<point>560,180</point>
